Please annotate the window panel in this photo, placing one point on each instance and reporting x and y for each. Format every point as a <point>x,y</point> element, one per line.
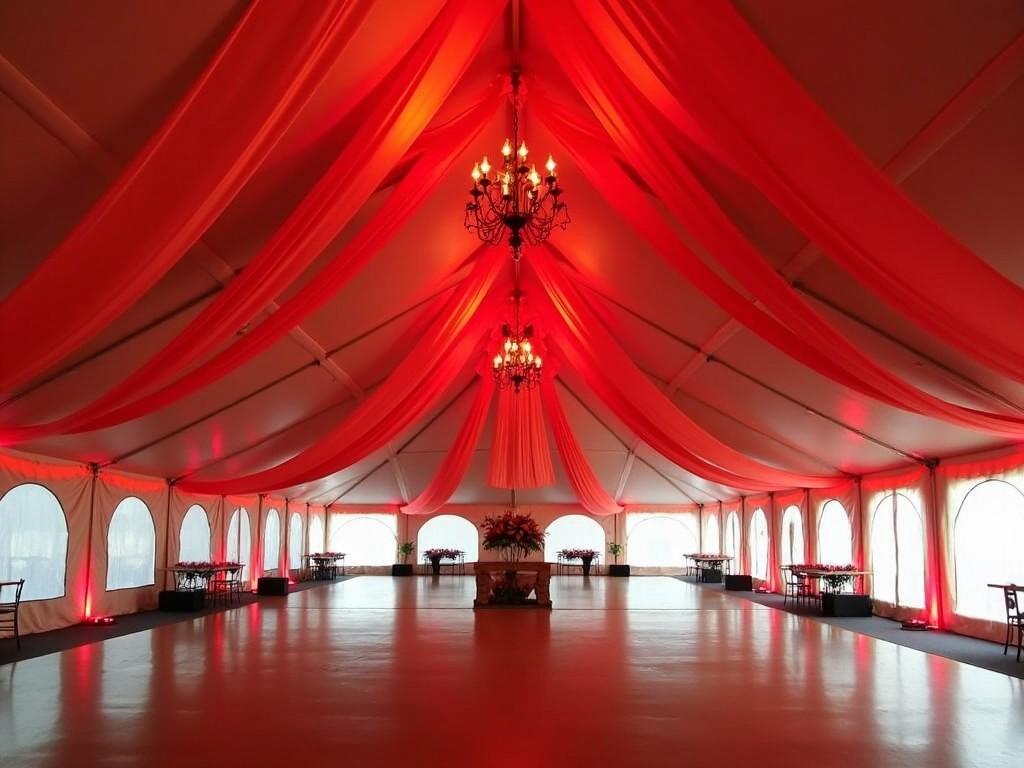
<point>450,532</point>
<point>365,539</point>
<point>33,541</point>
<point>573,532</point>
<point>239,543</point>
<point>295,541</point>
<point>661,541</point>
<point>759,545</point>
<point>835,535</point>
<point>194,538</point>
<point>792,549</point>
<point>131,546</point>
<point>272,541</point>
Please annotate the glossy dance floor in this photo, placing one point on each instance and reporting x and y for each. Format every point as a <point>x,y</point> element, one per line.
<point>378,671</point>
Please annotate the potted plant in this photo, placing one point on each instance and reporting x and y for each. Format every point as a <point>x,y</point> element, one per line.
<point>615,549</point>
<point>404,568</point>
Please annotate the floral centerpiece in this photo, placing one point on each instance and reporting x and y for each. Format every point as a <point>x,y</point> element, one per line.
<point>833,575</point>
<point>327,555</point>
<point>514,534</point>
<point>578,554</point>
<point>442,553</point>
<point>207,565</point>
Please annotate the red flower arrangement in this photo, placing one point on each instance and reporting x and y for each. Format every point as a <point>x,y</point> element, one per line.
<point>443,553</point>
<point>514,534</point>
<point>206,565</point>
<point>578,554</point>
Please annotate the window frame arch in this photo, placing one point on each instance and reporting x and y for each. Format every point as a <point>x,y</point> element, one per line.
<point>209,531</point>
<point>470,556</point>
<point>246,561</point>
<point>348,520</point>
<point>894,511</point>
<point>820,555</point>
<point>293,540</point>
<point>733,516</point>
<point>998,616</point>
<point>554,548</point>
<point>692,533</point>
<point>275,564</point>
<point>787,555</point>
<point>110,530</point>
<point>759,515</point>
<point>66,540</point>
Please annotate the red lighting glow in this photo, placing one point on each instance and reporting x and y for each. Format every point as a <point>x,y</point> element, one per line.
<point>101,621</point>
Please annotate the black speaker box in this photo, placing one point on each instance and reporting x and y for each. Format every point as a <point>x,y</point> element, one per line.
<point>272,585</point>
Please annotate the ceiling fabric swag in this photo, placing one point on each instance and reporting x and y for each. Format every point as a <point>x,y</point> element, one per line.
<point>401,400</point>
<point>438,148</point>
<point>803,333</point>
<point>457,460</point>
<point>589,491</point>
<point>718,75</point>
<point>520,455</point>
<point>642,407</point>
<point>179,183</point>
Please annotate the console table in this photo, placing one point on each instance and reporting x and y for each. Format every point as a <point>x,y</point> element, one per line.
<point>533,577</point>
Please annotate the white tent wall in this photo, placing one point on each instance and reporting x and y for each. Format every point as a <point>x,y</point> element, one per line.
<point>72,485</point>
<point>88,501</point>
<point>113,488</point>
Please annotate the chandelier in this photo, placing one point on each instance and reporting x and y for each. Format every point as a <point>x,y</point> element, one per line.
<point>515,198</point>
<point>515,364</point>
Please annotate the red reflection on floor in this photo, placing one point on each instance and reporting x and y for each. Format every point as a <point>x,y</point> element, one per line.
<point>378,671</point>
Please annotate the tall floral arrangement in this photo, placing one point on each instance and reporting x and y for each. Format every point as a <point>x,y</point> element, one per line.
<point>514,534</point>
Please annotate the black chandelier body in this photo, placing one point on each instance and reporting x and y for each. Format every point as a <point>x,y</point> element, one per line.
<point>515,199</point>
<point>516,366</point>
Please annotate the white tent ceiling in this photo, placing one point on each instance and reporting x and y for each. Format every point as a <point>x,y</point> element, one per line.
<point>82,85</point>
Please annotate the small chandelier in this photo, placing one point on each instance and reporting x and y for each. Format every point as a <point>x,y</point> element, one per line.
<point>515,364</point>
<point>515,197</point>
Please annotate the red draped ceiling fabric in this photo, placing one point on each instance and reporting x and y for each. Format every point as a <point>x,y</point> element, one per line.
<point>401,400</point>
<point>456,462</point>
<point>520,456</point>
<point>589,491</point>
<point>711,83</point>
<point>179,183</point>
<point>610,373</point>
<point>437,150</point>
<point>793,326</point>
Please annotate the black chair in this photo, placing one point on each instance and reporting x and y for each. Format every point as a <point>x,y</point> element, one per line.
<point>797,587</point>
<point>226,586</point>
<point>9,610</point>
<point>1014,620</point>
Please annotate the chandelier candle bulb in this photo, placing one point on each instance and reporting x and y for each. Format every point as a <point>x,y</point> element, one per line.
<point>485,167</point>
<point>506,150</point>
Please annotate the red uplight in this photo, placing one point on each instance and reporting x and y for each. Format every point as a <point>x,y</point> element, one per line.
<point>100,621</point>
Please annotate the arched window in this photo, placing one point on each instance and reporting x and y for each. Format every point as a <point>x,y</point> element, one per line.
<point>365,539</point>
<point>450,532</point>
<point>573,532</point>
<point>272,541</point>
<point>194,538</point>
<point>759,545</point>
<point>131,546</point>
<point>897,552</point>
<point>835,535</point>
<point>792,536</point>
<point>660,542</point>
<point>295,541</point>
<point>732,538</point>
<point>710,543</point>
<point>33,541</point>
<point>240,540</point>
<point>987,538</point>
<point>316,535</point>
